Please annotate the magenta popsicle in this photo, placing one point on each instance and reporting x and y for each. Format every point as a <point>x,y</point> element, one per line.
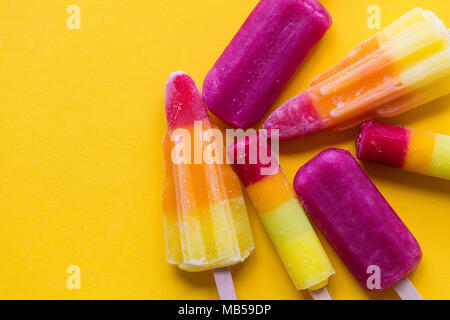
<point>356,219</point>
<point>261,58</point>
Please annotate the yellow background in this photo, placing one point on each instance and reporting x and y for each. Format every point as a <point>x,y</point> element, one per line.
<point>81,169</point>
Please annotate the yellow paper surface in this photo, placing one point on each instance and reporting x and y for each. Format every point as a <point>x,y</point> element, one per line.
<point>81,166</point>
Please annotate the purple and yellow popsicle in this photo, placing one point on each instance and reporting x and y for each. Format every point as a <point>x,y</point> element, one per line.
<point>412,150</point>
<point>281,213</point>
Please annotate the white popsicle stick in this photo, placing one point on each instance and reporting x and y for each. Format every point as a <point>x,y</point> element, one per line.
<point>320,294</point>
<point>406,290</point>
<point>224,283</point>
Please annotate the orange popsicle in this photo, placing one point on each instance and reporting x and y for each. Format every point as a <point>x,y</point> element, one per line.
<point>205,218</point>
<point>403,66</point>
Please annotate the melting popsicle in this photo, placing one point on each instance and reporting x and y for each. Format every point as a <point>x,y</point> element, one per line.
<point>403,66</point>
<point>357,221</point>
<point>284,219</point>
<point>412,150</point>
<point>205,217</point>
<point>262,57</point>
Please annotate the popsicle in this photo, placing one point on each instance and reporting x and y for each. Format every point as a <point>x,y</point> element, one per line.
<point>205,217</point>
<point>358,222</point>
<point>283,218</point>
<point>262,57</point>
<point>412,150</point>
<point>403,66</point>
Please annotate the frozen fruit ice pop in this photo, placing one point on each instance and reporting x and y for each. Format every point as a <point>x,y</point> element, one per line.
<point>403,66</point>
<point>261,58</point>
<point>284,219</point>
<point>413,150</point>
<point>356,219</point>
<point>205,217</point>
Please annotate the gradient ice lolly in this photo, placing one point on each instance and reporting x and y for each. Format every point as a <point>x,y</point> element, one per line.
<point>405,65</point>
<point>284,219</point>
<point>205,217</point>
<point>356,219</point>
<point>262,57</point>
<point>413,150</point>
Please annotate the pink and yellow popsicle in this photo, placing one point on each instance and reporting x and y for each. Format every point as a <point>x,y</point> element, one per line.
<point>205,217</point>
<point>412,150</point>
<point>405,65</point>
<point>284,219</point>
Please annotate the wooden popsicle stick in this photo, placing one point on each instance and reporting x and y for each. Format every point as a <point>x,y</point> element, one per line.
<point>406,290</point>
<point>224,283</point>
<point>320,294</point>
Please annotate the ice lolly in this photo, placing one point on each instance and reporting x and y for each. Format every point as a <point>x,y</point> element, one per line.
<point>413,150</point>
<point>284,219</point>
<point>262,57</point>
<point>403,66</point>
<point>356,219</point>
<point>205,217</point>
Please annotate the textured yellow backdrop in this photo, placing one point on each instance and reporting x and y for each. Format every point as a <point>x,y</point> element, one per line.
<point>81,170</point>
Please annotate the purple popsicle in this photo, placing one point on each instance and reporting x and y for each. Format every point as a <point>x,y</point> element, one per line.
<point>356,219</point>
<point>262,57</point>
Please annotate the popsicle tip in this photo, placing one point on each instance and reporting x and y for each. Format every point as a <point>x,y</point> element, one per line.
<point>176,76</point>
<point>383,143</point>
<point>320,11</point>
<point>183,101</point>
<point>327,156</point>
<point>332,153</point>
<point>327,160</point>
<point>296,118</point>
<point>177,73</point>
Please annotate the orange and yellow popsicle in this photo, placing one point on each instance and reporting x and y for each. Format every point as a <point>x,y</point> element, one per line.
<point>405,65</point>
<point>205,217</point>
